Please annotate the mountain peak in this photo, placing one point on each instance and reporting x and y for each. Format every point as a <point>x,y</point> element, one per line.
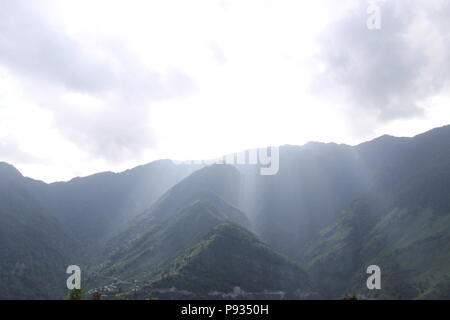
<point>228,257</point>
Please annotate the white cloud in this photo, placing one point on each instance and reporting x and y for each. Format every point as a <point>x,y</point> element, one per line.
<point>87,86</point>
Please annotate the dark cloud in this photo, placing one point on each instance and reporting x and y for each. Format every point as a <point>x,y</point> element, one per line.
<point>49,62</point>
<point>386,73</point>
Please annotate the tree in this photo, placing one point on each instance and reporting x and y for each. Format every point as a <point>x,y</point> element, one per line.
<point>76,294</point>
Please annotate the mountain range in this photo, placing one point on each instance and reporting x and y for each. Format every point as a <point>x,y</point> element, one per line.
<point>176,231</point>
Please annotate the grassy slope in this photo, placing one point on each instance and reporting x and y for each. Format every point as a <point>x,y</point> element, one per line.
<point>404,229</point>
<point>228,257</point>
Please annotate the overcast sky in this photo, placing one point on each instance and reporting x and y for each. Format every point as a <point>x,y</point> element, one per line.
<point>88,86</point>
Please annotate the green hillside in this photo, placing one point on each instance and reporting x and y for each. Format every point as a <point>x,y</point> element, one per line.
<point>193,240</point>
<point>187,231</point>
<point>34,247</point>
<point>402,224</point>
<point>227,258</point>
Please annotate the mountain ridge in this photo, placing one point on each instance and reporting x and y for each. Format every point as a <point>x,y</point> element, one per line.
<point>331,209</point>
<point>144,165</point>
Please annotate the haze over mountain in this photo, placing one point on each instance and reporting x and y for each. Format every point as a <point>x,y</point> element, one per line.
<point>193,239</point>
<point>222,231</point>
<point>34,246</point>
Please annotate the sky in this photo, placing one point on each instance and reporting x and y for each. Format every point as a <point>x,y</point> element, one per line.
<point>90,86</point>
